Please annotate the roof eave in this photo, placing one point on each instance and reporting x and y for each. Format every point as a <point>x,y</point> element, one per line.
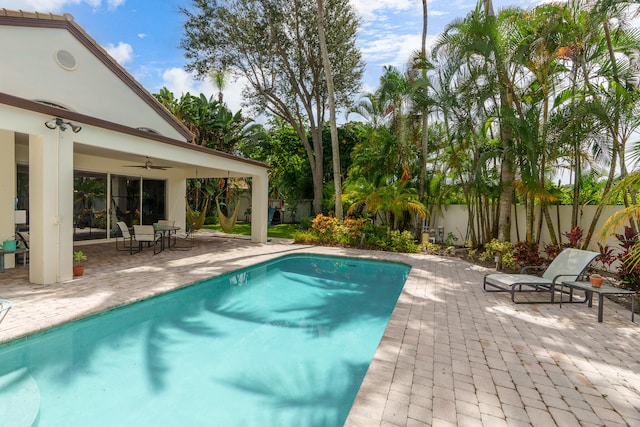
<point>37,107</point>
<point>66,21</point>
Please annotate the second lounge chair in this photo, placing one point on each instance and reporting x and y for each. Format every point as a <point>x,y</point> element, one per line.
<point>567,266</point>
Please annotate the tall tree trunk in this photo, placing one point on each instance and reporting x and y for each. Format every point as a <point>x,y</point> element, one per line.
<point>425,118</point>
<point>547,219</point>
<point>335,147</point>
<point>507,173</point>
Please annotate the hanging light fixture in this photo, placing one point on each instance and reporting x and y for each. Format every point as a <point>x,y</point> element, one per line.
<point>58,122</point>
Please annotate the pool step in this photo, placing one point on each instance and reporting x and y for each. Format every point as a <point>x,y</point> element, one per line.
<point>19,399</point>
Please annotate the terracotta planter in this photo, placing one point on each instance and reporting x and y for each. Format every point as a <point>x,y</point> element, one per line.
<point>78,270</point>
<point>596,282</point>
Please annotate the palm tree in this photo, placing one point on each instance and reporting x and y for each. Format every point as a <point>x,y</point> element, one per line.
<point>370,109</point>
<point>390,200</point>
<point>478,39</point>
<point>219,79</point>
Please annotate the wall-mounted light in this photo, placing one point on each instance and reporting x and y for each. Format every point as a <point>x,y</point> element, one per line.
<point>58,122</point>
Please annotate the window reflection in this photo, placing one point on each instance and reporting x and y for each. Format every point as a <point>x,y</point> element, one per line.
<point>89,206</point>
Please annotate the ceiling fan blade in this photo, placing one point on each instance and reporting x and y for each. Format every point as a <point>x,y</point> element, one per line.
<point>148,165</point>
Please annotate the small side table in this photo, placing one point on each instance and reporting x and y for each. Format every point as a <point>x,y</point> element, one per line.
<point>3,253</point>
<point>601,291</point>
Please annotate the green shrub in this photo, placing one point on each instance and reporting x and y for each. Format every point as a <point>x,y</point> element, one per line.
<point>402,242</point>
<point>325,227</point>
<point>494,247</point>
<point>349,233</point>
<point>305,237</point>
<point>375,237</point>
<point>451,239</point>
<point>360,232</point>
<point>431,248</point>
<point>305,222</point>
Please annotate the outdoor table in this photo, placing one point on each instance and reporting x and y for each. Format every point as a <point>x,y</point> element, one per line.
<point>601,291</point>
<point>3,253</point>
<point>166,231</point>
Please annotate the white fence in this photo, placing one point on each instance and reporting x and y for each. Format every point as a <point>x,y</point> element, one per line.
<point>454,219</point>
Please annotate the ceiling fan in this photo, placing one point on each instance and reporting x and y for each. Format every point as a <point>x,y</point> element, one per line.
<point>148,165</point>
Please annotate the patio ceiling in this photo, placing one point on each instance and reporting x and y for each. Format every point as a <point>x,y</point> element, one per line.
<point>131,161</point>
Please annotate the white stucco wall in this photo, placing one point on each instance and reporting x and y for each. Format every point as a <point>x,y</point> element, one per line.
<point>454,219</point>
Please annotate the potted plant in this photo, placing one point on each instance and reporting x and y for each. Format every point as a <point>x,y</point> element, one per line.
<point>596,280</point>
<point>78,263</point>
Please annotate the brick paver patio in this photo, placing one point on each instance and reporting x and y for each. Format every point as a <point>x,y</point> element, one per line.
<point>451,355</point>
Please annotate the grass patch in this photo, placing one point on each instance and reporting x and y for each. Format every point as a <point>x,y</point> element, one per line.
<point>280,231</point>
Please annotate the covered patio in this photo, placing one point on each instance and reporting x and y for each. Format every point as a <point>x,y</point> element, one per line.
<point>68,111</point>
<point>452,354</point>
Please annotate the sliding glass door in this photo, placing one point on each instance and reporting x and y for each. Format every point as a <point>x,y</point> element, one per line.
<point>125,199</point>
<point>153,201</point>
<point>134,200</point>
<point>89,206</point>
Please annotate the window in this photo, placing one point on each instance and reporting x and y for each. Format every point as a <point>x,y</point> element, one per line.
<point>137,201</point>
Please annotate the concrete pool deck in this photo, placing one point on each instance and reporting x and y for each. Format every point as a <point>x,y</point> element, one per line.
<point>451,355</point>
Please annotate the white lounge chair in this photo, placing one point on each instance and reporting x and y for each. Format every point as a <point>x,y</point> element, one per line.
<point>567,266</point>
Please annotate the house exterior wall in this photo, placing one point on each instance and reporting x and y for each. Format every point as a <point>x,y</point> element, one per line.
<point>89,88</point>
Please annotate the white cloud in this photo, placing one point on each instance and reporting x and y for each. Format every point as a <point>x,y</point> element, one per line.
<point>55,6</point>
<point>368,9</point>
<point>114,4</point>
<point>123,52</point>
<point>180,82</point>
<point>142,35</point>
<point>395,50</point>
<point>438,13</point>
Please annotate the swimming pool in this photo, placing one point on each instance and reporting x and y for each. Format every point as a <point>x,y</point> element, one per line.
<point>283,343</point>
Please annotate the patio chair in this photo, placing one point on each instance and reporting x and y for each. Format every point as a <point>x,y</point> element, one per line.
<point>126,235</point>
<point>567,266</point>
<point>147,234</point>
<point>188,237</point>
<point>23,243</point>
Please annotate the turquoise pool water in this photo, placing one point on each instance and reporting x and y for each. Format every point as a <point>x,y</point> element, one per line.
<point>284,343</point>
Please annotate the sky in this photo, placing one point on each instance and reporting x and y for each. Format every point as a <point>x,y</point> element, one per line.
<point>144,35</point>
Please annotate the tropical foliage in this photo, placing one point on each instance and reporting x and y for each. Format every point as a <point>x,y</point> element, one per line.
<point>211,122</point>
<point>276,47</point>
<point>534,108</point>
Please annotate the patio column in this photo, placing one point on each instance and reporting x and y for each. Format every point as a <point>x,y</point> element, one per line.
<point>51,207</point>
<point>176,192</point>
<point>259,207</point>
<point>7,191</point>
